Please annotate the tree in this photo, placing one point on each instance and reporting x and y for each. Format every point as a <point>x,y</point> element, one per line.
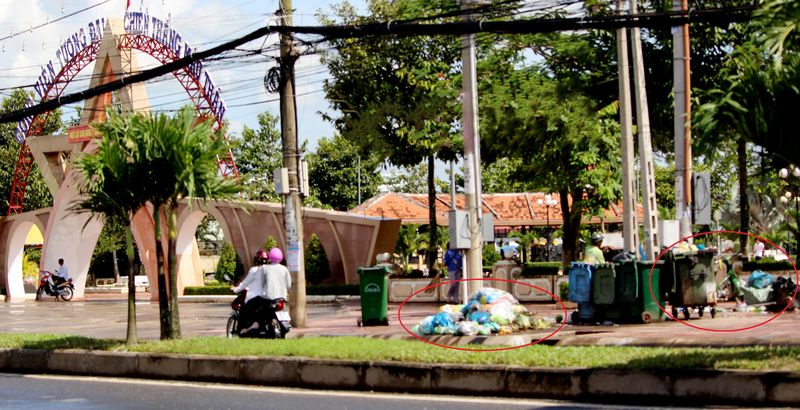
<point>229,264</point>
<point>178,156</point>
<point>409,241</point>
<point>258,154</point>
<point>398,96</point>
<point>112,239</point>
<point>567,143</point>
<point>333,173</point>
<point>37,194</point>
<point>316,261</point>
<point>757,92</point>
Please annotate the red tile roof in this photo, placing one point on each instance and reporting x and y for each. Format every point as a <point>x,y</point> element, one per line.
<point>508,209</point>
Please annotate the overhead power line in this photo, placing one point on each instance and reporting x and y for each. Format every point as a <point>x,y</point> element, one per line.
<point>56,20</point>
<point>652,20</point>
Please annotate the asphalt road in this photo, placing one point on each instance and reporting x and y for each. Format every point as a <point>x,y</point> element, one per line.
<point>22,392</point>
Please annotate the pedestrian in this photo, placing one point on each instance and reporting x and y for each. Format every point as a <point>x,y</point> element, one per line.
<point>758,250</point>
<point>593,253</point>
<point>452,259</point>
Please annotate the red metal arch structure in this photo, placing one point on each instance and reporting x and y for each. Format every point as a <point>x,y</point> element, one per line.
<point>162,53</point>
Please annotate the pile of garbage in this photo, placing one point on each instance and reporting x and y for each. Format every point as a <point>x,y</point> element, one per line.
<point>489,311</point>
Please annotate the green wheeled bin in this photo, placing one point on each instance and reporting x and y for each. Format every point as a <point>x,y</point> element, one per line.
<point>374,286</point>
<point>694,284</point>
<point>633,302</point>
<point>650,310</point>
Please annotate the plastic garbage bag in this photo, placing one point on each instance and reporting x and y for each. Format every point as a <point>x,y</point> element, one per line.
<point>426,326</point>
<point>522,322</point>
<point>759,280</point>
<point>467,328</point>
<point>479,317</point>
<point>442,319</point>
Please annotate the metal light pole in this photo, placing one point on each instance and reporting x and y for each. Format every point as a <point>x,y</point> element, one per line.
<point>548,202</point>
<point>787,196</point>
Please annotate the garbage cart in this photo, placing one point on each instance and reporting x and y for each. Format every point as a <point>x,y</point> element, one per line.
<point>693,283</point>
<point>374,284</point>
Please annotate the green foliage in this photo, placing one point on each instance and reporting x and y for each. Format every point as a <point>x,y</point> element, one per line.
<point>229,264</point>
<point>768,265</point>
<point>409,242</point>
<point>316,261</point>
<point>37,194</point>
<point>563,291</point>
<point>505,175</point>
<point>490,255</point>
<point>258,153</point>
<point>112,237</point>
<point>333,171</point>
<point>540,268</point>
<point>270,243</point>
<point>30,268</point>
<point>207,290</point>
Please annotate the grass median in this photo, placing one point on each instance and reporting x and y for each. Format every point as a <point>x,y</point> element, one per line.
<point>356,348</point>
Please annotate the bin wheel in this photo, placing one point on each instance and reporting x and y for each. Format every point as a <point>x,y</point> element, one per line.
<point>701,310</point>
<point>646,317</point>
<point>713,312</point>
<point>574,317</point>
<point>687,313</point>
<point>359,322</point>
<point>675,313</point>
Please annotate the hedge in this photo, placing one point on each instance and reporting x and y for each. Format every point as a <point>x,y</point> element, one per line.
<point>540,268</point>
<point>767,265</point>
<point>310,290</point>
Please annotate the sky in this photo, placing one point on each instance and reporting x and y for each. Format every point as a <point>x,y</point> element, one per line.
<point>24,48</point>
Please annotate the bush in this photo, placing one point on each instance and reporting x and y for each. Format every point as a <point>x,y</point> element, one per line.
<point>563,291</point>
<point>490,255</point>
<point>207,290</point>
<point>540,268</point>
<point>317,266</point>
<point>767,265</point>
<point>230,264</point>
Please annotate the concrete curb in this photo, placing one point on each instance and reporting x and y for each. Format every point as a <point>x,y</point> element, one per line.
<point>695,387</point>
<point>229,298</point>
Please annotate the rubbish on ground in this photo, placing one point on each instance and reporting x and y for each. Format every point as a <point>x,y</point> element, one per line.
<point>488,311</point>
<point>759,279</point>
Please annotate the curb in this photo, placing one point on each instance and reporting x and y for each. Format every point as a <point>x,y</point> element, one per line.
<point>695,387</point>
<point>229,298</point>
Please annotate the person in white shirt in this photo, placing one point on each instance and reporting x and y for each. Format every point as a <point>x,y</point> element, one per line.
<point>255,300</point>
<point>61,275</point>
<point>758,249</point>
<point>277,277</point>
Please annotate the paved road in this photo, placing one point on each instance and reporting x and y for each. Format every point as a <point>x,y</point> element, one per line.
<point>22,392</point>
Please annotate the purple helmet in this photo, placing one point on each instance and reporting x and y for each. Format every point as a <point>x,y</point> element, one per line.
<point>261,257</point>
<point>275,255</point>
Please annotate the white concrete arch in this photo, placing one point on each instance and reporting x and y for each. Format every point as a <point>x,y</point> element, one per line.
<point>14,251</point>
<point>187,253</point>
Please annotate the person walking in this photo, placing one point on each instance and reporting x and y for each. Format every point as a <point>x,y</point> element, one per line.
<point>758,249</point>
<point>452,259</point>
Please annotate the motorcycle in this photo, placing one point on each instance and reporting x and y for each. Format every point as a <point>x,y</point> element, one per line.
<point>64,290</point>
<point>273,321</point>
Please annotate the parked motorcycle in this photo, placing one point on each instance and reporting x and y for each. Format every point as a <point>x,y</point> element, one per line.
<point>64,290</point>
<point>273,321</point>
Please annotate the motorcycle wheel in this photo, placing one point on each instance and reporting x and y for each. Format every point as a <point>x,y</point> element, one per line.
<point>39,292</point>
<point>66,294</point>
<point>230,329</point>
<point>279,334</point>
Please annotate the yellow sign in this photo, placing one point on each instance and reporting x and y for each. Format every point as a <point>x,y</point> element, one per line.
<point>82,133</point>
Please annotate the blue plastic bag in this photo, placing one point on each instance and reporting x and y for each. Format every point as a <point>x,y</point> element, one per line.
<point>759,279</point>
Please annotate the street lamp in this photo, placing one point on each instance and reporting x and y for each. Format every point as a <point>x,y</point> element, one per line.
<point>787,196</point>
<point>548,202</point>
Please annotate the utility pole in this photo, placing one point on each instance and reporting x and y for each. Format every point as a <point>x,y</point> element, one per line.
<point>630,229</point>
<point>683,136</point>
<point>472,154</point>
<point>293,205</point>
<point>645,145</point>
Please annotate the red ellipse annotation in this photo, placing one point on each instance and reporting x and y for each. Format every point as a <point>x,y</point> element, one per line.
<point>652,294</point>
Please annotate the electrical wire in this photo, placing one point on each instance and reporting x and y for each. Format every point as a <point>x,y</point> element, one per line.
<point>56,20</point>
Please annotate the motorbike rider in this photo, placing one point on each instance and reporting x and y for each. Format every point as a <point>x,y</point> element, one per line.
<point>254,282</point>
<point>276,276</point>
<point>60,276</point>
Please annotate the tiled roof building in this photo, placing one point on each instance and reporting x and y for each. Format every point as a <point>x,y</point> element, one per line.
<point>508,209</point>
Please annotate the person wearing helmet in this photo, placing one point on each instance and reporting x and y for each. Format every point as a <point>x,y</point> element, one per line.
<point>277,279</point>
<point>593,253</point>
<point>254,283</point>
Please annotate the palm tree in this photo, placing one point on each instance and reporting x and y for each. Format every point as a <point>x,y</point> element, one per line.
<point>177,158</point>
<point>108,193</point>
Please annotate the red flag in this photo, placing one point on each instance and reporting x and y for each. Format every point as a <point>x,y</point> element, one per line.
<point>129,4</point>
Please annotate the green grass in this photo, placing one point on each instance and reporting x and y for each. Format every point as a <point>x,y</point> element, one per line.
<point>355,348</point>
